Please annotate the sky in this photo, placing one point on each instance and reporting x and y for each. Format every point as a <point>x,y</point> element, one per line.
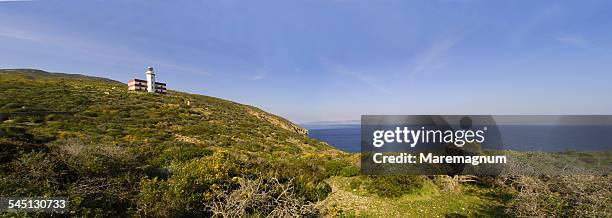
<point>333,59</point>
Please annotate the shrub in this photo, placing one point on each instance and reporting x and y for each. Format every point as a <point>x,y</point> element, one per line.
<point>180,153</point>
<point>446,183</point>
<point>34,174</point>
<point>159,198</point>
<point>20,119</point>
<point>306,175</point>
<point>335,167</point>
<point>560,196</point>
<point>261,198</point>
<point>310,188</point>
<point>92,159</point>
<point>37,119</point>
<point>16,134</point>
<point>90,113</point>
<point>53,117</point>
<point>23,135</point>
<point>349,171</point>
<point>190,186</point>
<point>355,183</point>
<point>395,185</point>
<point>156,172</point>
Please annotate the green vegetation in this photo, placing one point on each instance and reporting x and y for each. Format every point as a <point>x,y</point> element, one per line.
<point>352,197</point>
<point>395,185</point>
<point>120,153</point>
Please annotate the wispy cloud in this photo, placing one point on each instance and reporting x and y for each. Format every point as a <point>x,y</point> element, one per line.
<point>18,34</point>
<point>82,48</point>
<point>257,76</point>
<point>436,50</point>
<point>574,41</point>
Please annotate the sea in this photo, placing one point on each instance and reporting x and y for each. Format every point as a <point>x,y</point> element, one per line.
<point>347,137</point>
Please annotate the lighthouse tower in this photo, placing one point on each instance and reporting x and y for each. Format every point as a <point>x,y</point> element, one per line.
<point>150,80</point>
<point>148,85</point>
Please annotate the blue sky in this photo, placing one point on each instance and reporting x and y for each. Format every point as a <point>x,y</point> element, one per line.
<point>334,60</point>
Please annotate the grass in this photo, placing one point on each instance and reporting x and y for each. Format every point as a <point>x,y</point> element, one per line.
<point>473,201</point>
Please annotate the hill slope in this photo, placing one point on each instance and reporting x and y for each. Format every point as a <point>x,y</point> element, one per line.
<point>119,153</point>
<point>115,152</point>
<point>99,104</point>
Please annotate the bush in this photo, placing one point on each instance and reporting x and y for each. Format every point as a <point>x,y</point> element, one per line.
<point>355,183</point>
<point>33,174</point>
<point>159,198</point>
<point>349,171</point>
<point>96,160</point>
<point>261,198</point>
<point>37,119</point>
<point>16,134</point>
<point>53,117</point>
<point>90,114</point>
<point>335,167</point>
<point>191,185</point>
<point>180,153</point>
<point>395,185</point>
<point>311,188</point>
<point>306,175</point>
<point>560,196</point>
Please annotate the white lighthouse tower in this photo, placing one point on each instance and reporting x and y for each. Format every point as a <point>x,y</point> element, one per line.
<point>149,85</point>
<point>150,80</point>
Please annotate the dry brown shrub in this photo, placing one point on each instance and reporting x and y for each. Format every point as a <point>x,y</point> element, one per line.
<point>261,198</point>
<point>568,196</point>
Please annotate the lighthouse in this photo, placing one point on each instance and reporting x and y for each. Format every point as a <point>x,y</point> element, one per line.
<point>148,85</point>
<point>150,80</point>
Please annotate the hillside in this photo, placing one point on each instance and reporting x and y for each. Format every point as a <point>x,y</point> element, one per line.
<point>121,154</point>
<point>117,152</point>
<point>103,108</point>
